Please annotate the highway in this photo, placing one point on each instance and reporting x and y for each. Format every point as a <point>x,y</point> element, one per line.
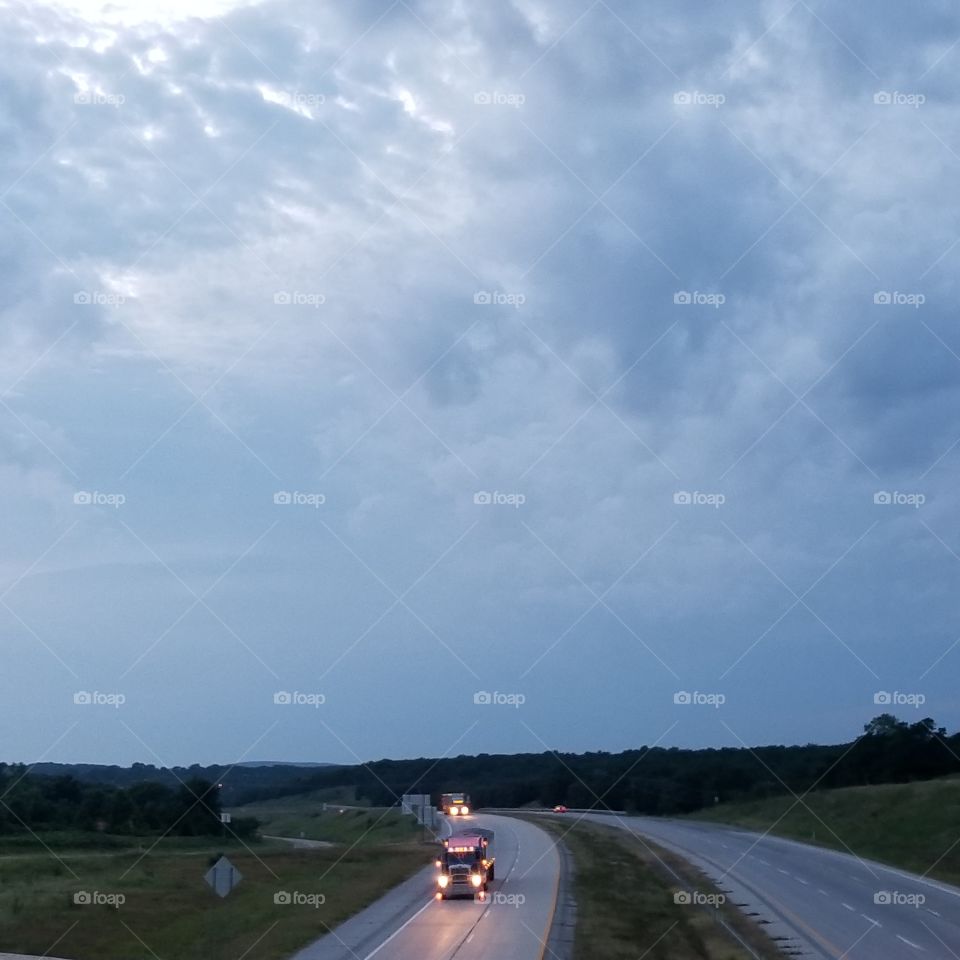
<point>409,924</point>
<point>828,905</point>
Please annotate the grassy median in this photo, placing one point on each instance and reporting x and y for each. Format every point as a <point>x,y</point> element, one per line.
<point>915,826</point>
<point>630,905</point>
<point>286,899</point>
<point>298,816</point>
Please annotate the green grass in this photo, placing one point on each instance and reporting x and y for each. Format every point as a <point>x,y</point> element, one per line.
<point>170,913</point>
<point>915,826</point>
<point>303,815</point>
<point>626,907</point>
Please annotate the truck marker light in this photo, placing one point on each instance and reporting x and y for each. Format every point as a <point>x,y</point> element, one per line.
<point>475,879</point>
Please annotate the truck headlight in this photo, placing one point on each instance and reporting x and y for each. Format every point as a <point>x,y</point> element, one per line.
<point>443,880</point>
<point>475,879</point>
<point>464,810</point>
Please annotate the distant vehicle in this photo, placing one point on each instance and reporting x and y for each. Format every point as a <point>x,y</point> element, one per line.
<point>466,865</point>
<point>559,808</point>
<point>455,804</point>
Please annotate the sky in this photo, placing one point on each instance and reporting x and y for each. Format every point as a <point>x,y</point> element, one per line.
<point>416,378</point>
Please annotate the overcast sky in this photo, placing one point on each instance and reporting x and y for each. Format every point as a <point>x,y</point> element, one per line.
<point>379,356</point>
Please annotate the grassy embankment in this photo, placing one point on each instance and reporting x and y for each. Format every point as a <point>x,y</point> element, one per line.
<point>915,826</point>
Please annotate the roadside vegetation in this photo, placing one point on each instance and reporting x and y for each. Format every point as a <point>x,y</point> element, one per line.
<point>286,899</point>
<point>915,826</point>
<point>632,902</point>
<point>305,817</point>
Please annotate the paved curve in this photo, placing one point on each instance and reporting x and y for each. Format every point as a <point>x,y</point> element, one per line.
<point>409,924</point>
<point>831,906</point>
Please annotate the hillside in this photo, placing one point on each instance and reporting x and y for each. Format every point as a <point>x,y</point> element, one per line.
<point>915,826</point>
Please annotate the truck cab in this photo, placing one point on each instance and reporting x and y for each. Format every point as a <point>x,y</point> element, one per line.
<point>466,865</point>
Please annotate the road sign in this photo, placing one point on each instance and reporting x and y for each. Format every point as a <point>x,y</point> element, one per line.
<point>223,876</point>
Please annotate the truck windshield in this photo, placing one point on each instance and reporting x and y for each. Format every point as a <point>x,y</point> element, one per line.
<point>465,857</point>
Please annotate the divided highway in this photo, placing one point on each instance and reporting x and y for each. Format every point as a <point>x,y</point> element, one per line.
<point>827,905</point>
<point>409,924</point>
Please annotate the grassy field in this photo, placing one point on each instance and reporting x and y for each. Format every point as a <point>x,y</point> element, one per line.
<point>627,904</point>
<point>304,814</point>
<point>169,912</point>
<point>915,826</point>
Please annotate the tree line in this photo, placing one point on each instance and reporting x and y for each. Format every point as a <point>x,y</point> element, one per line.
<point>659,780</point>
<point>33,803</point>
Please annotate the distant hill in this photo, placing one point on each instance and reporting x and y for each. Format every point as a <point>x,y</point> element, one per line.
<point>242,782</point>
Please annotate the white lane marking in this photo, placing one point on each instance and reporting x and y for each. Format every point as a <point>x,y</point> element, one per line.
<point>765,862</point>
<point>876,923</point>
<point>823,892</point>
<point>934,912</point>
<point>847,905</point>
<point>909,943</point>
<point>801,880</point>
<point>376,950</point>
<point>784,872</point>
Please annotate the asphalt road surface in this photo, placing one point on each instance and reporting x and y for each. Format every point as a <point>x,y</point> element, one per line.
<point>829,905</point>
<point>410,924</point>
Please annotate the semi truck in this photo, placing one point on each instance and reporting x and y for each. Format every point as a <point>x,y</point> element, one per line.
<point>466,865</point>
<point>455,804</point>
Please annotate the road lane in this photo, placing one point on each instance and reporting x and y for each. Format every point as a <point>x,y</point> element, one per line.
<point>410,924</point>
<point>830,905</point>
